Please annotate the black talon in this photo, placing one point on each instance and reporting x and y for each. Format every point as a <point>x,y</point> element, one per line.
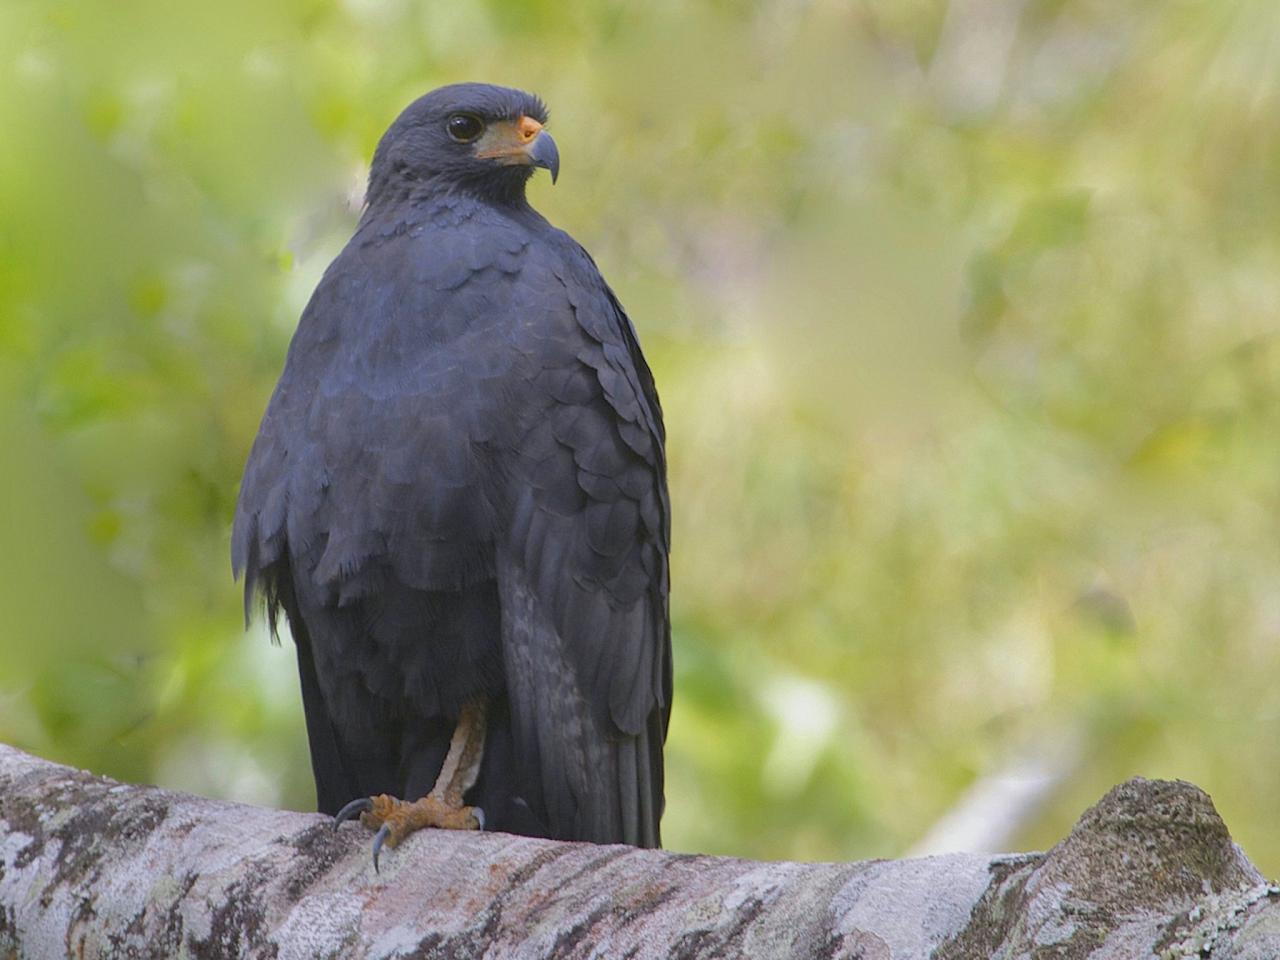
<point>378,839</point>
<point>363,805</point>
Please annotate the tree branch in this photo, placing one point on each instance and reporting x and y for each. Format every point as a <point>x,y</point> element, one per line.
<point>93,868</point>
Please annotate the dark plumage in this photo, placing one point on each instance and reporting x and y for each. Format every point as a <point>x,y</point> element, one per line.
<point>459,488</point>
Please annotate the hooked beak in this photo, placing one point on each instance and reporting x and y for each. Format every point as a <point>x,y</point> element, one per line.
<point>543,153</point>
<point>521,142</point>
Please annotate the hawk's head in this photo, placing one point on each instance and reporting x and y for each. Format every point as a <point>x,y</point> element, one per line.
<point>471,136</point>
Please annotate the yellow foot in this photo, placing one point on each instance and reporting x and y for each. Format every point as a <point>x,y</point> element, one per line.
<point>403,818</point>
<point>395,819</point>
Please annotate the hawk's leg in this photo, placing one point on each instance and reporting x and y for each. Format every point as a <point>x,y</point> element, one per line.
<point>395,819</point>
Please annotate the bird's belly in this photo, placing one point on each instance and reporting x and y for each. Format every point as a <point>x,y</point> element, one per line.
<point>392,529</point>
<point>405,656</point>
<point>399,482</point>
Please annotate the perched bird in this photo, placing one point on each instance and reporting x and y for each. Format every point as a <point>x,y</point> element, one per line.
<point>458,498</point>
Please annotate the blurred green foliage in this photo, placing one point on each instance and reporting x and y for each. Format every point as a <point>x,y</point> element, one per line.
<point>964,315</point>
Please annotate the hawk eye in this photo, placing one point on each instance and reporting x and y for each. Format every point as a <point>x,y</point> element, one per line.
<point>464,127</point>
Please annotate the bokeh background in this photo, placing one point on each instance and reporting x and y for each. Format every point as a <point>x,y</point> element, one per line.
<point>964,316</point>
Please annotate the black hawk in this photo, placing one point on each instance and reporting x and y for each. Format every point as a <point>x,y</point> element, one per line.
<point>458,498</point>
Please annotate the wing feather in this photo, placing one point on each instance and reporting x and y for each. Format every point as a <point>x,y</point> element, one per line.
<point>588,546</point>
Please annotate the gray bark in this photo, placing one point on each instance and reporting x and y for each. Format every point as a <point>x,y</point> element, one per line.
<point>93,868</point>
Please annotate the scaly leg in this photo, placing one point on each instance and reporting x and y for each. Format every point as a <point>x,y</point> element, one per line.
<point>395,819</point>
